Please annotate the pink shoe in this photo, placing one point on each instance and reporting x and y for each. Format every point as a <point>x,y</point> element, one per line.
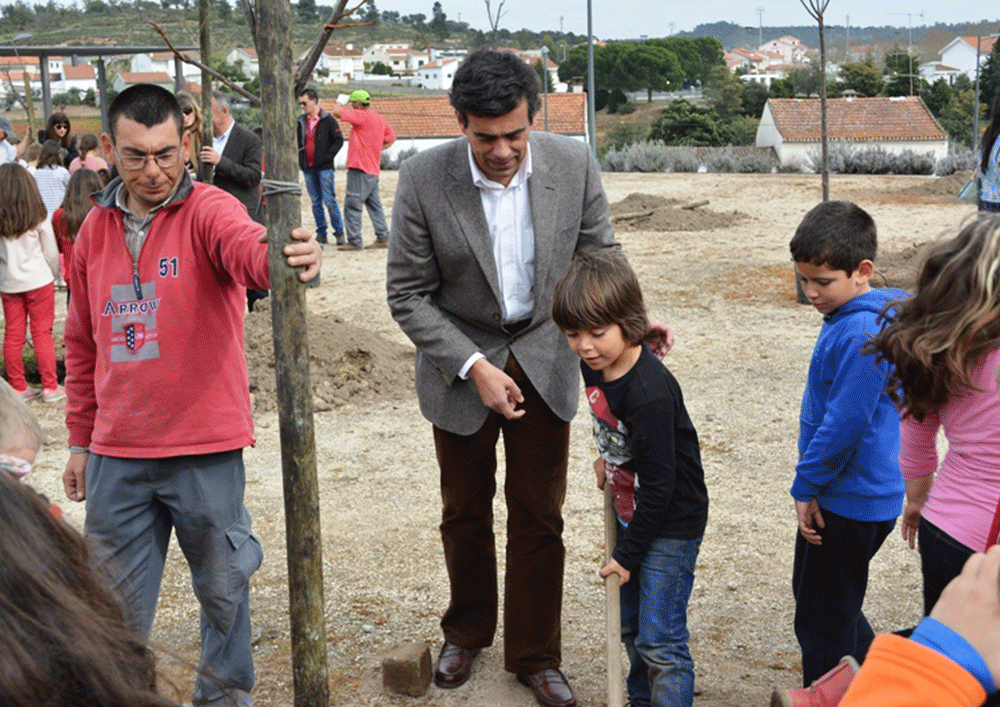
<point>826,691</point>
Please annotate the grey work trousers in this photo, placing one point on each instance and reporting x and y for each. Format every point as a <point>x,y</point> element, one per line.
<point>132,504</point>
<point>362,190</point>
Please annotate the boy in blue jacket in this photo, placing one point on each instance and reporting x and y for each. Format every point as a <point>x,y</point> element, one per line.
<point>848,489</point>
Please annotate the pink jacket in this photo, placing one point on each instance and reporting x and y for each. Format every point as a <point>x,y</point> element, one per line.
<point>163,374</point>
<point>964,496</point>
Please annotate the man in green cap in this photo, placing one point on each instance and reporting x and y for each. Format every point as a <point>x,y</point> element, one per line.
<point>370,134</point>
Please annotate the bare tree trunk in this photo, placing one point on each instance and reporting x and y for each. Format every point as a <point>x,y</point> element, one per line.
<point>205,169</point>
<point>824,135</point>
<point>309,63</point>
<point>291,358</point>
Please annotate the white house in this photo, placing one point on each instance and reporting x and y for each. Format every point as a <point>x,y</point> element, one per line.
<point>934,70</point>
<point>246,59</point>
<point>80,77</point>
<point>403,60</point>
<point>784,50</point>
<point>960,53</point>
<point>791,126</point>
<point>164,62</point>
<point>130,78</point>
<point>437,75</point>
<point>344,64</point>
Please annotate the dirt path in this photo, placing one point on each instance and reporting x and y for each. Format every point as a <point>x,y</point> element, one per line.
<point>741,357</point>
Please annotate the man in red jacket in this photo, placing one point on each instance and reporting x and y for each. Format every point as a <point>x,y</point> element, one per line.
<point>158,403</point>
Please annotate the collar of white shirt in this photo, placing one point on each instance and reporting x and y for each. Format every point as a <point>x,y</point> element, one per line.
<point>219,143</point>
<point>519,178</point>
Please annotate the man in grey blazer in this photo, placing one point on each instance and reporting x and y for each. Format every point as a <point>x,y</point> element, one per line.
<point>482,229</point>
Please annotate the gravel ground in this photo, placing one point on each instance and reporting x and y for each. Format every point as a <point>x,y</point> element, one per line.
<point>741,355</point>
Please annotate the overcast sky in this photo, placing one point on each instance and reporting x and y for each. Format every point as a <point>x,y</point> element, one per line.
<point>618,19</point>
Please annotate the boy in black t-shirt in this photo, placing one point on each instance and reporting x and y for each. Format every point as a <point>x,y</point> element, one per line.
<point>649,454</point>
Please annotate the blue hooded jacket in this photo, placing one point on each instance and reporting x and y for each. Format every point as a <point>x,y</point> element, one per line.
<point>848,427</point>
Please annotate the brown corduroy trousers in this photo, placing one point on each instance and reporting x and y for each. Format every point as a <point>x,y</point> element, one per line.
<point>537,452</point>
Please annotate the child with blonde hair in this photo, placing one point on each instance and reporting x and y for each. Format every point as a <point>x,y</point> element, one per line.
<point>29,265</point>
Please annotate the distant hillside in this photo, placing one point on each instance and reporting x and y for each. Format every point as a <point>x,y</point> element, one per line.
<point>929,38</point>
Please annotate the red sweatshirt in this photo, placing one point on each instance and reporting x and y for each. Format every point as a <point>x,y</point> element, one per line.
<point>164,374</point>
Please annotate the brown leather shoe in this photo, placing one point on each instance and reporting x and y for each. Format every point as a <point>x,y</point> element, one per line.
<point>454,665</point>
<point>550,688</point>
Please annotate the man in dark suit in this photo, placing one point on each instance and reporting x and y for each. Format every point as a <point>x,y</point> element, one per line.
<point>482,229</point>
<point>235,154</point>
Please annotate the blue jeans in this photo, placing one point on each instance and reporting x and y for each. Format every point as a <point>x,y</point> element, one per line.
<point>319,184</point>
<point>654,624</point>
<point>829,582</point>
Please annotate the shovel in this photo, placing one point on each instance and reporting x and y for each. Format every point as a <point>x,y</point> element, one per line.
<point>612,610</point>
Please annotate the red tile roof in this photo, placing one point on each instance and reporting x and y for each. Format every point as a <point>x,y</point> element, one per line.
<point>433,116</point>
<point>985,43</point>
<point>131,77</point>
<point>905,118</point>
<point>83,71</point>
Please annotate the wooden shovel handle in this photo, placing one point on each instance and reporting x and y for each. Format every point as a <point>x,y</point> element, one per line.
<point>612,610</point>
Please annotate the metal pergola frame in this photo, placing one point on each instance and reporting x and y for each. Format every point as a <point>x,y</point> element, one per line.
<point>75,52</point>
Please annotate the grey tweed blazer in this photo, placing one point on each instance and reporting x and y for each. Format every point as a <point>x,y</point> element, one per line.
<point>442,282</point>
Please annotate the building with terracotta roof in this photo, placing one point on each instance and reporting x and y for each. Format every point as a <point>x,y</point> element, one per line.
<point>784,50</point>
<point>245,58</point>
<point>165,62</point>
<point>960,53</point>
<point>130,78</point>
<point>421,122</point>
<point>791,126</point>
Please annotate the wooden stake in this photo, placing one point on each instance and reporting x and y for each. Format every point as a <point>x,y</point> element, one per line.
<point>612,608</point>
<point>291,359</point>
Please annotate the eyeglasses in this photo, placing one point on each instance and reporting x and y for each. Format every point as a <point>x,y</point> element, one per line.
<point>303,103</point>
<point>164,160</point>
<point>64,126</point>
<point>188,111</point>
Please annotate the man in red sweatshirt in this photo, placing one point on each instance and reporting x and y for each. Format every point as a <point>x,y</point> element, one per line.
<point>158,405</point>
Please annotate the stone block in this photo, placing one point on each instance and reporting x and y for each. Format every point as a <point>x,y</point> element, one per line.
<point>406,669</point>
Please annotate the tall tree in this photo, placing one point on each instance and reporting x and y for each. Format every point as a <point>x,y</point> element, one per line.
<point>306,11</point>
<point>439,22</point>
<point>494,20</point>
<point>697,56</point>
<point>862,76</point>
<point>816,8</point>
<point>989,79</point>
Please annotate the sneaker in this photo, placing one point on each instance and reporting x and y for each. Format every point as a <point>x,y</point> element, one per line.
<point>348,246</point>
<point>340,239</point>
<point>380,243</point>
<point>55,395</point>
<point>826,691</point>
<point>29,393</point>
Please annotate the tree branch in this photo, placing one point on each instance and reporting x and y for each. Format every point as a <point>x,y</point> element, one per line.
<point>305,69</point>
<point>254,99</point>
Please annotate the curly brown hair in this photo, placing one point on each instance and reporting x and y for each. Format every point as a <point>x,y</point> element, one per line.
<point>937,336</point>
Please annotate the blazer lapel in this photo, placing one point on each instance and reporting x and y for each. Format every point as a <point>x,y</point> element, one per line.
<point>544,211</point>
<point>467,207</point>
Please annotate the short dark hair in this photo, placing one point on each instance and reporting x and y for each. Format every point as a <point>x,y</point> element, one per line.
<point>837,234</point>
<point>600,288</point>
<point>493,83</point>
<point>310,92</point>
<point>147,104</point>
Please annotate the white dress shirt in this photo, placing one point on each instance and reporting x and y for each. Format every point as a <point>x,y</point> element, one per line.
<point>508,215</point>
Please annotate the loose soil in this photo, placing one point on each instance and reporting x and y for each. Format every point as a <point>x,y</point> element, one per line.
<point>741,357</point>
<point>668,215</point>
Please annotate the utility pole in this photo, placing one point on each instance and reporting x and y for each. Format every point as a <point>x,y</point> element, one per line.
<point>671,26</point>
<point>760,32</point>
<point>847,40</point>
<point>909,49</point>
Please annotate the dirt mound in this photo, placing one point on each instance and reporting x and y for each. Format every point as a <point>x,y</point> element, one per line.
<point>348,364</point>
<point>668,216</point>
<point>947,186</point>
<point>898,269</point>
